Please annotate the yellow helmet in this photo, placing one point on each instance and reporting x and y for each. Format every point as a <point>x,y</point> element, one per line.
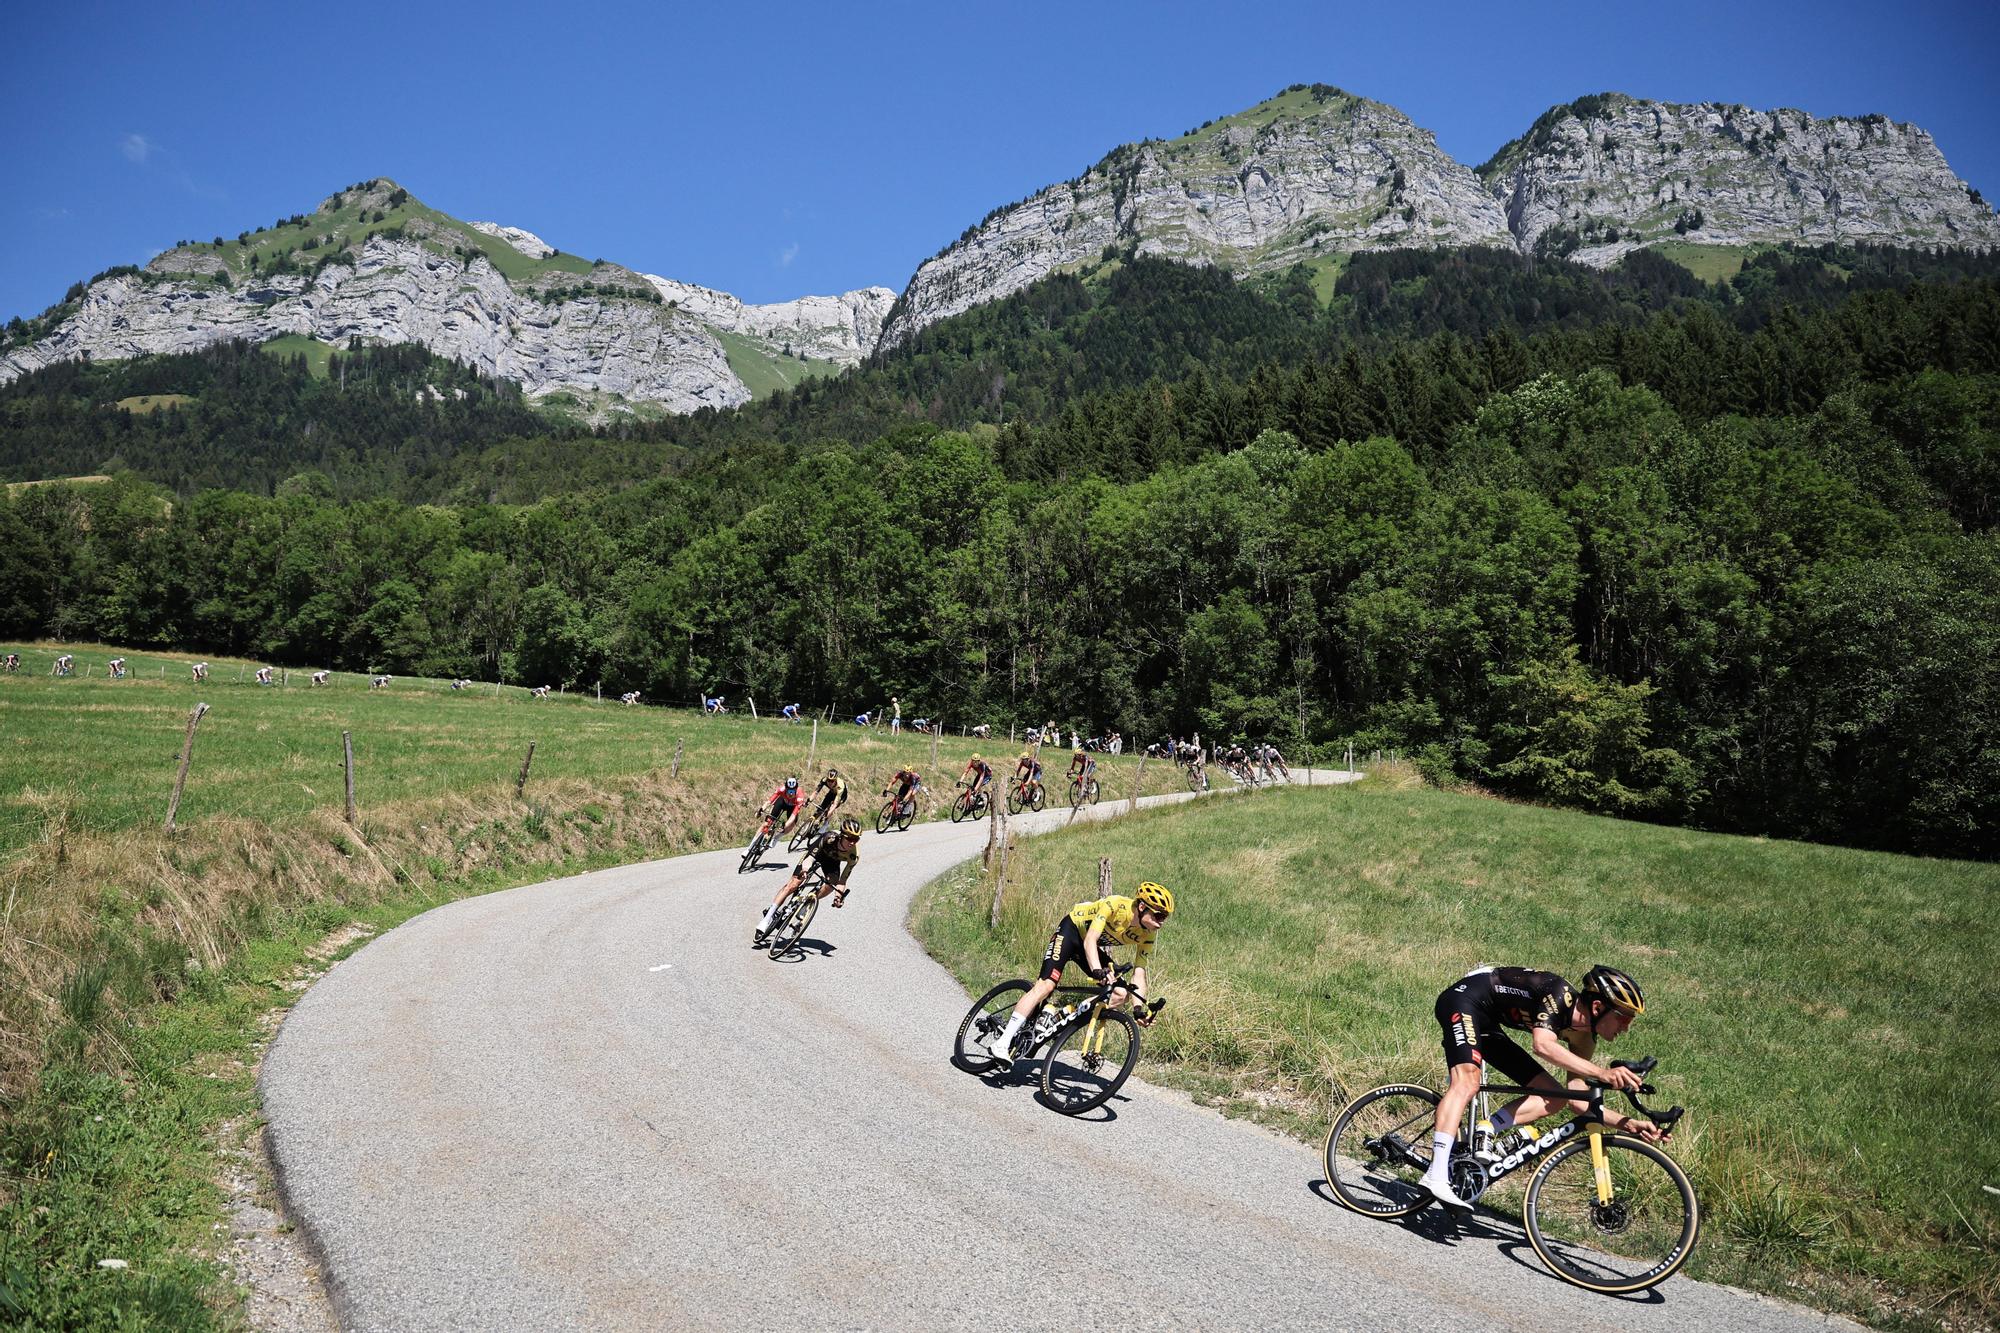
<point>1027,755</point>
<point>977,760</point>
<point>1156,896</point>
<point>1615,988</point>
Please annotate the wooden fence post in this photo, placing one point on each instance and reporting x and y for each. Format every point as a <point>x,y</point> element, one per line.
<point>347,752</point>
<point>1138,781</point>
<point>527,759</point>
<point>496,689</point>
<point>1103,877</point>
<point>753,708</point>
<point>999,887</point>
<point>936,731</point>
<point>677,758</point>
<point>993,818</point>
<point>181,777</point>
<point>813,752</point>
<point>600,691</point>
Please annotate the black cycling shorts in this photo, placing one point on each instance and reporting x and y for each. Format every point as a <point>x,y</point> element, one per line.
<point>1065,947</point>
<point>1467,1043</point>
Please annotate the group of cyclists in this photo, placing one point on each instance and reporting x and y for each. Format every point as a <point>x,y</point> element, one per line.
<point>1474,1014</point>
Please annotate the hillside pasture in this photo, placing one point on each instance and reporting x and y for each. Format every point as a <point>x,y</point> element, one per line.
<point>1816,1008</point>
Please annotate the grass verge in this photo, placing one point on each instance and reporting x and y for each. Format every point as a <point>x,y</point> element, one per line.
<point>1811,1005</point>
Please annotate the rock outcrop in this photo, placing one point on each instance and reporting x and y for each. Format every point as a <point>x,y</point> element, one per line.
<point>1604,174</point>
<point>842,328</point>
<point>1310,174</point>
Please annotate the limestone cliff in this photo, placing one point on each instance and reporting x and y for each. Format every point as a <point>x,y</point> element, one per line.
<point>374,263</point>
<point>1604,174</point>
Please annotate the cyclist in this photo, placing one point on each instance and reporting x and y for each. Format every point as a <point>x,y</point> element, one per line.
<point>903,786</point>
<point>1082,764</point>
<point>1275,760</point>
<point>790,712</point>
<point>977,774</point>
<point>785,804</point>
<point>1567,1025</point>
<point>1235,760</point>
<point>1027,768</point>
<point>1083,935</point>
<point>830,795</point>
<point>836,854</point>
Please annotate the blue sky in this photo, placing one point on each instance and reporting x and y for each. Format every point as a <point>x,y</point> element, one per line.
<point>777,149</point>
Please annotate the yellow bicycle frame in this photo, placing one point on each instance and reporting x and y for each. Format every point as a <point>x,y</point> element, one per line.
<point>1600,1163</point>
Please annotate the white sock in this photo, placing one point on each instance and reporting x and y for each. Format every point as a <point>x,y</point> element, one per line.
<point>1440,1155</point>
<point>1012,1030</point>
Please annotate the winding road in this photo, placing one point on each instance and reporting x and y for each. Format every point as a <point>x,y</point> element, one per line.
<point>590,1104</point>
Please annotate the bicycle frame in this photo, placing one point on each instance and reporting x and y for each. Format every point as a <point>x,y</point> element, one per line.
<point>1589,1122</point>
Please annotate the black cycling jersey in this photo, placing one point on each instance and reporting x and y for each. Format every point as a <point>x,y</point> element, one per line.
<point>1472,1013</point>
<point>836,864</point>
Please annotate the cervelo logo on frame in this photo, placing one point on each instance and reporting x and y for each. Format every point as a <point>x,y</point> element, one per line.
<point>1539,1146</point>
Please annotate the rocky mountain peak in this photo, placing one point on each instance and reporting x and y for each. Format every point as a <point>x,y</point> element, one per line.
<point>1305,176</point>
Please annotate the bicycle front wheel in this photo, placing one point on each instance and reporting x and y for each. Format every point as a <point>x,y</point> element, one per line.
<point>1089,1060</point>
<point>1038,796</point>
<point>793,918</point>
<point>887,818</point>
<point>753,854</point>
<point>988,1015</point>
<point>1090,794</point>
<point>961,807</point>
<point>1014,799</point>
<point>1379,1147</point>
<point>1075,793</point>
<point>1623,1231</point>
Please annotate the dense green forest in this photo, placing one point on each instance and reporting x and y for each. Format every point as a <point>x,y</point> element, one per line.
<point>1623,541</point>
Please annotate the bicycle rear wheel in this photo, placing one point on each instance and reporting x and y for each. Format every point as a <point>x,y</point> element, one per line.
<point>905,815</point>
<point>1089,1060</point>
<point>1038,796</point>
<point>989,1013</point>
<point>1378,1147</point>
<point>1635,1239</point>
<point>1091,794</point>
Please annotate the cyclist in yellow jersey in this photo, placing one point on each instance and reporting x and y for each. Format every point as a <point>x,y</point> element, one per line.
<point>1083,935</point>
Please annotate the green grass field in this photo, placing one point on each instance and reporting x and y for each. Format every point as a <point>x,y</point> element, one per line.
<point>1818,1009</point>
<point>147,403</point>
<point>103,752</point>
<point>1710,263</point>
<point>765,374</point>
<point>317,354</point>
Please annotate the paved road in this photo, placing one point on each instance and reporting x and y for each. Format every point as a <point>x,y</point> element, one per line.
<point>590,1104</point>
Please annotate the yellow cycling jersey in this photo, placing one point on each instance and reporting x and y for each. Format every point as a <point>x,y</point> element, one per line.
<point>1121,923</point>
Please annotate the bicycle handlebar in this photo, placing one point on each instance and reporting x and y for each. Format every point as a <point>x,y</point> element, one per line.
<point>1664,1119</point>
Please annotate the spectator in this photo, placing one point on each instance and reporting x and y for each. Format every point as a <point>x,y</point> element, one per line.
<point>983,730</point>
<point>861,719</point>
<point>199,671</point>
<point>713,706</point>
<point>921,725</point>
<point>895,715</point>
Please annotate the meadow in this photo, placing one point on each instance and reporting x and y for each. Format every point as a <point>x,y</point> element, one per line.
<point>1816,1008</point>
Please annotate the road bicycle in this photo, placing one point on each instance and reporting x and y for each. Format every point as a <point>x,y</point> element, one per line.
<point>795,912</point>
<point>897,814</point>
<point>1197,778</point>
<point>968,804</point>
<point>809,831</point>
<point>1025,791</point>
<point>1605,1211</point>
<point>1088,1048</point>
<point>758,845</point>
<point>1082,792</point>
